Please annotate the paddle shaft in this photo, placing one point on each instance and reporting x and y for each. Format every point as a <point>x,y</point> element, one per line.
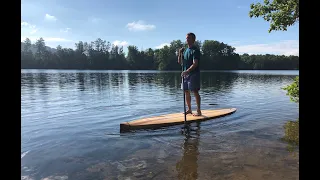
<point>184,94</point>
<point>184,102</point>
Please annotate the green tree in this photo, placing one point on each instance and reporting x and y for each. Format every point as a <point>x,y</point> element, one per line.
<point>41,53</point>
<point>163,58</point>
<point>218,55</point>
<point>80,57</point>
<point>27,45</point>
<point>149,59</point>
<point>280,13</point>
<point>133,56</point>
<point>99,54</point>
<point>26,54</point>
<point>293,90</point>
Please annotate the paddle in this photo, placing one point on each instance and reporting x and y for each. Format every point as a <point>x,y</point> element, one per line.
<point>184,95</point>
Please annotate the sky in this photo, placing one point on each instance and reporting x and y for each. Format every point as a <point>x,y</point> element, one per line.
<point>153,24</point>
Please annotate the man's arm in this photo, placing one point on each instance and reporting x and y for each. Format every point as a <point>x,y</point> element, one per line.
<point>196,58</point>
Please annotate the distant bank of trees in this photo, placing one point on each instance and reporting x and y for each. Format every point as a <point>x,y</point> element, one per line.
<point>102,55</point>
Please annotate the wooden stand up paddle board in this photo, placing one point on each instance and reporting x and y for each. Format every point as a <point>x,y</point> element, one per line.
<point>173,119</point>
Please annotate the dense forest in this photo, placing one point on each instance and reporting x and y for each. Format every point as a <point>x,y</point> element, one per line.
<point>102,55</point>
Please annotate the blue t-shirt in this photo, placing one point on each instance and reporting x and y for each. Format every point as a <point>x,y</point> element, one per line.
<point>188,56</point>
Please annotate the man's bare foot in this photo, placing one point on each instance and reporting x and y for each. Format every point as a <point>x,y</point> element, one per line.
<point>188,112</point>
<point>198,113</point>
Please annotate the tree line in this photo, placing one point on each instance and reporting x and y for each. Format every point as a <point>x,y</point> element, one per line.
<point>102,55</point>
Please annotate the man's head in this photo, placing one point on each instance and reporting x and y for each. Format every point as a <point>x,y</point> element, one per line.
<point>191,37</point>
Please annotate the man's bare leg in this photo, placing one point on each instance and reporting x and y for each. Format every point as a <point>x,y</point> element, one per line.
<point>188,100</point>
<point>198,101</point>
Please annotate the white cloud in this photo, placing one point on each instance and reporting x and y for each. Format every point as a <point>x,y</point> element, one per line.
<point>46,39</point>
<point>29,27</point>
<point>50,18</point>
<point>120,43</point>
<point>288,47</point>
<point>243,7</point>
<point>140,26</point>
<point>24,24</point>
<point>234,43</point>
<point>54,39</point>
<point>33,31</point>
<point>162,45</point>
<point>65,30</point>
<point>94,20</point>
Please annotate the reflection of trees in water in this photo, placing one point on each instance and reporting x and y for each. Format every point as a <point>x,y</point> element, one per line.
<point>99,81</point>
<point>264,78</point>
<point>140,78</point>
<point>42,79</point>
<point>30,82</point>
<point>80,77</point>
<point>216,82</point>
<point>27,86</point>
<point>140,81</point>
<point>211,81</point>
<point>116,79</point>
<point>102,81</point>
<point>133,79</point>
<point>170,81</point>
<point>67,80</point>
<point>187,167</point>
<point>30,79</point>
<point>27,80</point>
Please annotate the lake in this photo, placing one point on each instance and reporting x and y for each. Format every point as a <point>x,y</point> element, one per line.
<point>70,126</point>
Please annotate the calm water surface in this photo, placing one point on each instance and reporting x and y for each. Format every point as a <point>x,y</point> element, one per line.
<point>70,126</point>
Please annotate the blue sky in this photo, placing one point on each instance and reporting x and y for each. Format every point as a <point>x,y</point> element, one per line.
<point>150,23</point>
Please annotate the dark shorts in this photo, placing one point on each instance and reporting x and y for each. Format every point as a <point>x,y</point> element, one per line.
<point>192,82</point>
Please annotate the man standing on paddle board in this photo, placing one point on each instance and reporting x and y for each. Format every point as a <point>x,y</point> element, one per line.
<point>191,72</point>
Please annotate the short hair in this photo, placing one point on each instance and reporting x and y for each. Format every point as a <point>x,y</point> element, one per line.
<point>192,35</point>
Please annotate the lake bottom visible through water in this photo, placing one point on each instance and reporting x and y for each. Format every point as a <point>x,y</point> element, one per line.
<point>232,156</point>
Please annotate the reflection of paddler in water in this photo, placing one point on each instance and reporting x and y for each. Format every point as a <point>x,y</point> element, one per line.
<point>187,167</point>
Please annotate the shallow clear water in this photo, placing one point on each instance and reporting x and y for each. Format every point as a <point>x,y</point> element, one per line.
<point>70,126</point>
